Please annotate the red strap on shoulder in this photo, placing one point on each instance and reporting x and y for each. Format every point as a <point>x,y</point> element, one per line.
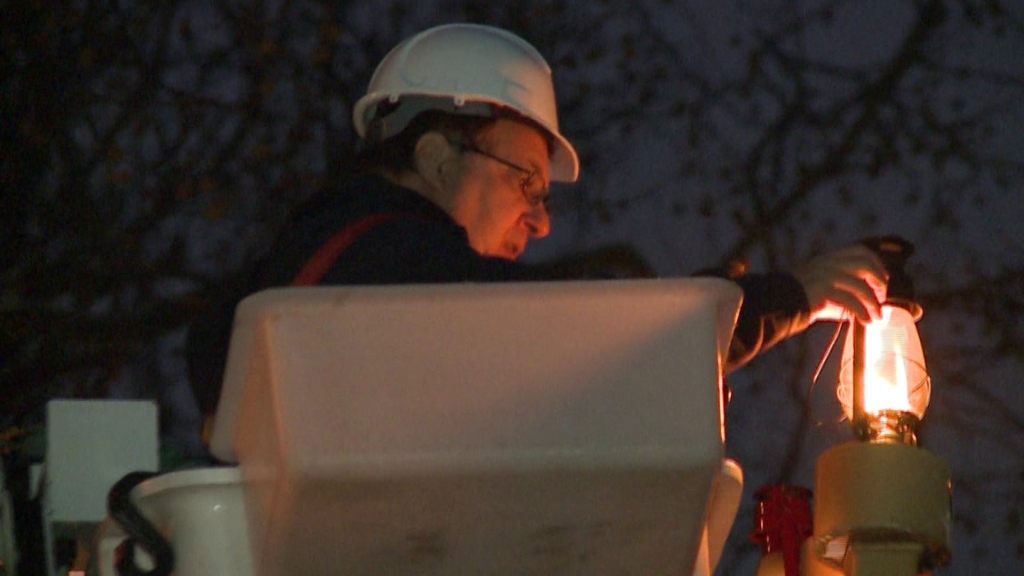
<point>316,268</point>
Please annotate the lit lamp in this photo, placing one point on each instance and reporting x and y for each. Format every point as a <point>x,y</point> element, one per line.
<point>883,383</point>
<point>882,504</point>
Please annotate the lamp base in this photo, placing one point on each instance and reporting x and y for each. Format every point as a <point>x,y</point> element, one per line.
<point>883,558</point>
<point>887,427</point>
<point>879,505</point>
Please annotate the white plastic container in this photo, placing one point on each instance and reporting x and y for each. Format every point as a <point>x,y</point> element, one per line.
<point>201,513</point>
<point>530,428</point>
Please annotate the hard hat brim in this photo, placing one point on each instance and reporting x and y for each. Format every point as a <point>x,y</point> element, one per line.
<point>565,164</point>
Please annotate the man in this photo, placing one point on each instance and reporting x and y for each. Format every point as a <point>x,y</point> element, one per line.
<point>459,143</point>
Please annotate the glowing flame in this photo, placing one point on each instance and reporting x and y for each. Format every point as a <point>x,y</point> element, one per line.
<point>895,377</point>
<point>885,367</point>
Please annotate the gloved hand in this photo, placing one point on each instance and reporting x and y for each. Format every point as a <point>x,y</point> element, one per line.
<point>852,279</point>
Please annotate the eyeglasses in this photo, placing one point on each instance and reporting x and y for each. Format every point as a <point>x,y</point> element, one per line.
<point>533,197</point>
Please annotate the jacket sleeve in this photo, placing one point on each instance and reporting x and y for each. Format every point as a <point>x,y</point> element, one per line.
<point>774,308</point>
<point>774,304</point>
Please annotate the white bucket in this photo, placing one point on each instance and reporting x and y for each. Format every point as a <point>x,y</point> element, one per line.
<point>200,512</point>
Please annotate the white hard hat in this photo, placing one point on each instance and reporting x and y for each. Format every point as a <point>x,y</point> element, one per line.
<point>458,67</point>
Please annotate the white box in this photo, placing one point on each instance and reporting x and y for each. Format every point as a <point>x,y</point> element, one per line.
<point>90,445</point>
<point>528,428</point>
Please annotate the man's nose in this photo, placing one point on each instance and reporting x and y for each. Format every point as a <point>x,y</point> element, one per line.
<point>538,221</point>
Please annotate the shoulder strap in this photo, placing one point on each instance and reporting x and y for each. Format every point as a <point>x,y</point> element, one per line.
<point>316,267</point>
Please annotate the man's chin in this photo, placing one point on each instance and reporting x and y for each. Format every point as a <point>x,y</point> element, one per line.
<point>514,252</point>
<point>505,253</point>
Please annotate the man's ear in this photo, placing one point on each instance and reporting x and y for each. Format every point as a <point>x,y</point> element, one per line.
<point>432,157</point>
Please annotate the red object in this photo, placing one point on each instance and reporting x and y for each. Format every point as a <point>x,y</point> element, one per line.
<point>782,521</point>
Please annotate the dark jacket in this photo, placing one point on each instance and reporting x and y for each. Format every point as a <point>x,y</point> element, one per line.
<point>420,243</point>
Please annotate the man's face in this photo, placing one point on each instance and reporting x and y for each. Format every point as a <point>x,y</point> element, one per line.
<point>494,200</point>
